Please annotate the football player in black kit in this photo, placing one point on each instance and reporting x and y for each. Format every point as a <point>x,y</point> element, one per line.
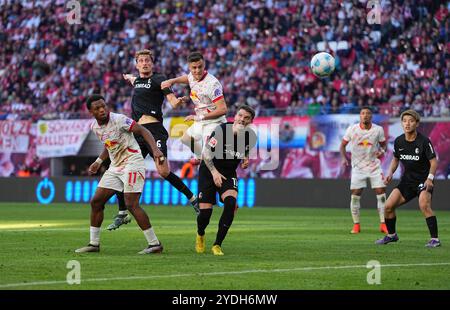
<point>225,148</point>
<point>146,104</point>
<point>417,155</point>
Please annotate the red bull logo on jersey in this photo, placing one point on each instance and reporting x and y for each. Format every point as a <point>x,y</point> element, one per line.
<point>194,96</point>
<point>109,143</point>
<point>365,143</point>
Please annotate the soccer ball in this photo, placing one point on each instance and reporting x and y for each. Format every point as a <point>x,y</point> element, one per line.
<point>322,64</point>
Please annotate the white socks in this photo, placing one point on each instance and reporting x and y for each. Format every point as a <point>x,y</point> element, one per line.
<point>381,200</point>
<point>95,235</point>
<point>150,236</point>
<point>354,207</point>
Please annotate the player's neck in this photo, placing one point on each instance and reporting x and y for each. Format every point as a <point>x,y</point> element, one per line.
<point>146,75</point>
<point>411,136</point>
<point>364,126</point>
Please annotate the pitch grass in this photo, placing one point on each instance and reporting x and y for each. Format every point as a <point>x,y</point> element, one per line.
<point>266,248</point>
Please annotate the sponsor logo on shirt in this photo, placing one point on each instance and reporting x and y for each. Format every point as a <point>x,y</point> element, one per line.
<point>217,92</point>
<point>409,157</point>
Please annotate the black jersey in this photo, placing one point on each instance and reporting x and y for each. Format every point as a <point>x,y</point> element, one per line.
<point>229,148</point>
<point>148,97</point>
<point>415,157</point>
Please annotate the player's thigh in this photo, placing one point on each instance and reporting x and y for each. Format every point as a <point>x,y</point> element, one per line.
<point>208,129</point>
<point>395,199</point>
<point>358,180</point>
<point>377,182</point>
<point>112,181</point>
<point>101,196</point>
<point>133,180</point>
<point>193,132</point>
<point>206,188</point>
<point>229,187</point>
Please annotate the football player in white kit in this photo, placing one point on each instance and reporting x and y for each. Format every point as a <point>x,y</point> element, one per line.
<point>210,105</point>
<point>368,143</point>
<point>126,172</point>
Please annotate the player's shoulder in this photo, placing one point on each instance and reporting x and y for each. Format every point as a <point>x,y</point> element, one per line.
<point>159,77</point>
<point>211,79</point>
<point>353,127</point>
<point>400,139</point>
<point>422,138</point>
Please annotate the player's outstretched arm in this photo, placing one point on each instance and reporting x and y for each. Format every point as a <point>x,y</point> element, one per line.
<point>148,137</point>
<point>93,168</point>
<point>176,102</point>
<point>178,80</point>
<point>392,168</point>
<point>129,77</point>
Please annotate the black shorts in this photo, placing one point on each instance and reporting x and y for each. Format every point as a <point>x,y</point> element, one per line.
<point>207,189</point>
<point>411,190</point>
<point>161,136</point>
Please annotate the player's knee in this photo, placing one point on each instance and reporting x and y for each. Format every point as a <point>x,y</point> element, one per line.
<point>388,207</point>
<point>97,205</point>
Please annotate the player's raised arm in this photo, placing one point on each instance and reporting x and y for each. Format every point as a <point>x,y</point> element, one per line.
<point>174,101</point>
<point>130,78</point>
<point>148,137</point>
<point>183,79</point>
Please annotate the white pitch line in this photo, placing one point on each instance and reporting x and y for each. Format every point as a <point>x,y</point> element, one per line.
<point>179,275</point>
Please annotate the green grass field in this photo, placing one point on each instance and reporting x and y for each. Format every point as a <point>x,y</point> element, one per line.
<point>266,248</point>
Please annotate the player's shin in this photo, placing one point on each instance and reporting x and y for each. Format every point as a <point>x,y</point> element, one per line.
<point>226,219</point>
<point>94,235</point>
<point>432,226</point>
<point>176,182</point>
<point>381,200</point>
<point>354,207</point>
<point>203,220</point>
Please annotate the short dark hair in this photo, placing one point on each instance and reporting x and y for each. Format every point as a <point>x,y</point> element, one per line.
<point>366,108</point>
<point>92,98</point>
<point>248,109</point>
<point>194,57</point>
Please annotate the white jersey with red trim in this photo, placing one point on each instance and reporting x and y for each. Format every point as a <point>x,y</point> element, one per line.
<point>116,135</point>
<point>204,94</point>
<point>364,145</point>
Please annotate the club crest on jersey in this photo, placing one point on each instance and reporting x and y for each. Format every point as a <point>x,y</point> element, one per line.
<point>212,142</point>
<point>417,150</point>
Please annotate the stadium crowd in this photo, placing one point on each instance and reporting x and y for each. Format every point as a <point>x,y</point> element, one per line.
<point>260,50</point>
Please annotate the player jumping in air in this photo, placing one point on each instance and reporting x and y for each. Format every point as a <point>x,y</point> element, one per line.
<point>148,98</point>
<point>207,96</point>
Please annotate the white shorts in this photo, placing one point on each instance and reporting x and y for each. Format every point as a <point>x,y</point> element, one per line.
<point>359,179</point>
<point>201,131</point>
<point>129,180</point>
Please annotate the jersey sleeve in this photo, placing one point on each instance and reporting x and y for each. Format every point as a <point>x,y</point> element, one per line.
<point>395,151</point>
<point>348,134</point>
<point>158,80</point>
<point>381,137</point>
<point>216,92</point>
<point>429,149</point>
<point>125,123</point>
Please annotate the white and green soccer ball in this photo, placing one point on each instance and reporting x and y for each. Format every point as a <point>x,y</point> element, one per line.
<point>322,64</point>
